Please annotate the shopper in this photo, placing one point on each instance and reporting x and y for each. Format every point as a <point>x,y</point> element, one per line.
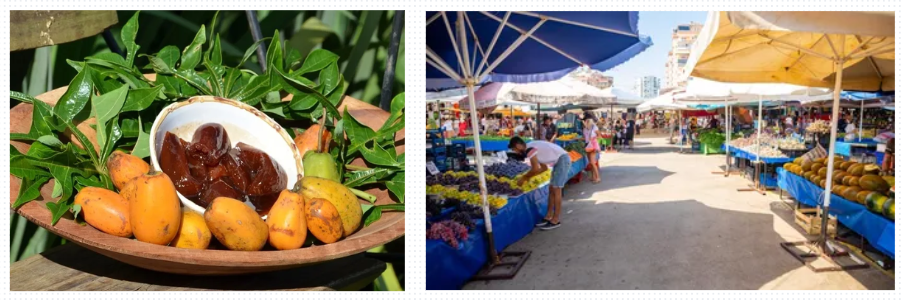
<point>591,134</point>
<point>630,130</point>
<point>889,158</point>
<point>549,131</point>
<point>540,155</point>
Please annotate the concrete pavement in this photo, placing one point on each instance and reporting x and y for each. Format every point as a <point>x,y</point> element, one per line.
<point>661,220</point>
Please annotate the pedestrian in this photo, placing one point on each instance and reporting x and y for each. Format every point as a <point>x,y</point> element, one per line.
<point>630,129</point>
<point>618,135</point>
<point>540,155</point>
<point>462,127</point>
<point>591,134</point>
<point>549,131</point>
<point>889,158</point>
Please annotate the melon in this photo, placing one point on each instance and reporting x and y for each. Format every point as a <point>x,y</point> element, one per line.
<point>847,180</point>
<point>806,165</point>
<point>838,164</point>
<point>797,160</point>
<point>871,169</point>
<point>849,193</point>
<point>845,165</point>
<point>854,181</point>
<point>890,180</point>
<point>787,165</point>
<point>816,167</point>
<point>862,196</point>
<point>823,183</point>
<point>856,170</point>
<point>873,183</point>
<point>875,201</point>
<point>822,172</point>
<point>807,175</point>
<point>837,178</point>
<point>821,160</point>
<point>889,209</point>
<point>838,189</point>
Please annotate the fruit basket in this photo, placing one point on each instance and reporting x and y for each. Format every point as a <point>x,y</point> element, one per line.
<point>210,261</point>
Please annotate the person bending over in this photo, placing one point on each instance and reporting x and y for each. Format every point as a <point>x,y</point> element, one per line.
<point>540,155</point>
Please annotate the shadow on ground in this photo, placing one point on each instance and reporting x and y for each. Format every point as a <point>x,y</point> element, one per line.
<point>663,245</point>
<point>614,177</point>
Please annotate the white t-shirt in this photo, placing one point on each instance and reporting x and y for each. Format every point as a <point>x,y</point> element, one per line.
<point>448,126</point>
<point>546,152</point>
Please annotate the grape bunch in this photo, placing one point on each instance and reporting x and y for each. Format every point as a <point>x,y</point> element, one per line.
<point>510,169</point>
<point>475,211</point>
<point>463,218</point>
<point>452,178</point>
<point>433,206</point>
<point>448,231</point>
<point>494,187</point>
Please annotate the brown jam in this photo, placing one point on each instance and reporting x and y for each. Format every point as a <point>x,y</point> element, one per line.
<point>208,168</point>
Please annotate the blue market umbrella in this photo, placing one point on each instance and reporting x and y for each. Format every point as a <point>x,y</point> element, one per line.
<point>469,48</point>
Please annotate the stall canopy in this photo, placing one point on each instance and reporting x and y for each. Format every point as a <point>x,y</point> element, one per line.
<point>561,91</point>
<point>663,102</point>
<point>842,50</point>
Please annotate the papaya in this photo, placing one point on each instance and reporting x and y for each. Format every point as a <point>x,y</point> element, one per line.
<point>815,167</point>
<point>807,175</point>
<point>325,220</point>
<point>193,232</point>
<point>105,210</point>
<point>871,200</point>
<point>856,170</point>
<point>798,161</point>
<point>806,165</point>
<point>847,180</point>
<point>837,164</point>
<point>838,189</point>
<point>853,181</point>
<point>837,178</point>
<point>287,222</point>
<point>125,167</point>
<point>236,225</point>
<point>871,169</point>
<point>823,183</point>
<point>821,160</point>
<point>155,211</point>
<point>873,183</point>
<point>890,180</point>
<point>339,196</point>
<point>822,172</point>
<point>862,196</point>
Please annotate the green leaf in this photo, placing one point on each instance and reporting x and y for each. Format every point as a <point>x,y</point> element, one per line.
<point>75,209</point>
<point>57,190</point>
<point>89,147</point>
<point>73,101</point>
<point>296,87</point>
<point>39,151</point>
<point>195,80</point>
<point>362,37</point>
<point>317,59</point>
<point>250,51</point>
<point>311,34</point>
<point>232,76</point>
<point>302,102</point>
<point>142,146</point>
<point>107,106</point>
<point>358,134</point>
<point>397,107</point>
<point>40,113</point>
<point>21,167</point>
<point>293,56</point>
<point>50,140</point>
<point>172,86</point>
<point>159,65</point>
<point>378,155</point>
<point>273,97</point>
<point>109,59</point>
<point>329,78</point>
<point>141,98</point>
<point>57,210</point>
<point>256,88</point>
<point>30,190</point>
<point>128,34</point>
<point>274,108</point>
<point>396,186</point>
<point>216,52</point>
<point>215,79</point>
<point>361,177</point>
<point>374,213</point>
<point>77,65</point>
<point>170,56</point>
<point>192,54</point>
<point>114,133</point>
<point>274,55</point>
<point>339,92</point>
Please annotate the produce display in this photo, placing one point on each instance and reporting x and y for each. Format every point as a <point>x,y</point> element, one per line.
<point>712,138</point>
<point>769,145</point>
<point>791,144</point>
<point>818,127</point>
<point>853,181</point>
<point>491,138</point>
<point>568,137</point>
<point>766,151</point>
<point>495,202</point>
<point>116,191</point>
<point>449,231</point>
<point>509,169</point>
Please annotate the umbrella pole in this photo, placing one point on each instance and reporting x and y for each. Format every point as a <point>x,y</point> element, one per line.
<point>729,136</point>
<point>837,89</point>
<point>483,194</point>
<point>861,120</point>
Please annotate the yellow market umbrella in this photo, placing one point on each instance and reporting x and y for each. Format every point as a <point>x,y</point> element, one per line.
<point>843,50</point>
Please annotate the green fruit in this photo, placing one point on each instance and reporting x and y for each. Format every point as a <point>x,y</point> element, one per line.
<point>320,165</point>
<point>889,209</point>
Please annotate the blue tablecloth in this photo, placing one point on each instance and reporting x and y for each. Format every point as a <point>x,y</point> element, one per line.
<point>738,153</point>
<point>488,146</point>
<point>449,268</point>
<point>578,166</point>
<point>879,231</point>
<point>845,148</point>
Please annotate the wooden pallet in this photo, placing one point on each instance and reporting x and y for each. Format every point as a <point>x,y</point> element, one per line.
<point>810,221</point>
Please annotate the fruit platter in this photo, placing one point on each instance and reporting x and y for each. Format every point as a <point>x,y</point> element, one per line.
<point>246,173</point>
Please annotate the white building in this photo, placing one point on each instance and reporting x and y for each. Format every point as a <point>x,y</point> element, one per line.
<point>681,43</point>
<point>647,87</point>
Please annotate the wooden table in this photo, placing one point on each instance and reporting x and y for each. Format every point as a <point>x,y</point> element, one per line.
<point>71,268</point>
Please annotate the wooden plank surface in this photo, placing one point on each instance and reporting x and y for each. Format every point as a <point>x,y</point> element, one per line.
<point>72,268</point>
<point>33,29</point>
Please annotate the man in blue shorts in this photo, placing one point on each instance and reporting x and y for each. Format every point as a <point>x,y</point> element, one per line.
<point>541,155</point>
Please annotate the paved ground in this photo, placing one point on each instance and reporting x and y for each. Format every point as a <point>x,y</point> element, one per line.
<point>661,220</point>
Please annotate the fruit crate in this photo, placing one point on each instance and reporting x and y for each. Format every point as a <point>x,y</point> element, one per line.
<point>711,150</point>
<point>437,151</point>
<point>810,221</point>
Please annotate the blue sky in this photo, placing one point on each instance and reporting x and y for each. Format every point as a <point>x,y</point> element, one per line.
<point>658,26</point>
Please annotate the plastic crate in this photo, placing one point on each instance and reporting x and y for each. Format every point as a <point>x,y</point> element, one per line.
<point>437,151</point>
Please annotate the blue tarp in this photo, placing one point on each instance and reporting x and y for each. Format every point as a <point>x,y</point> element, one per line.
<point>879,231</point>
<point>738,153</point>
<point>487,146</point>
<point>580,36</point>
<point>449,268</point>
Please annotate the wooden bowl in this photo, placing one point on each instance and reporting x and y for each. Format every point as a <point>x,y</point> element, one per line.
<point>206,262</point>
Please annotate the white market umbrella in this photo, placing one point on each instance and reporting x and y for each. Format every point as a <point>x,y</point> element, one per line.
<point>843,50</point>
